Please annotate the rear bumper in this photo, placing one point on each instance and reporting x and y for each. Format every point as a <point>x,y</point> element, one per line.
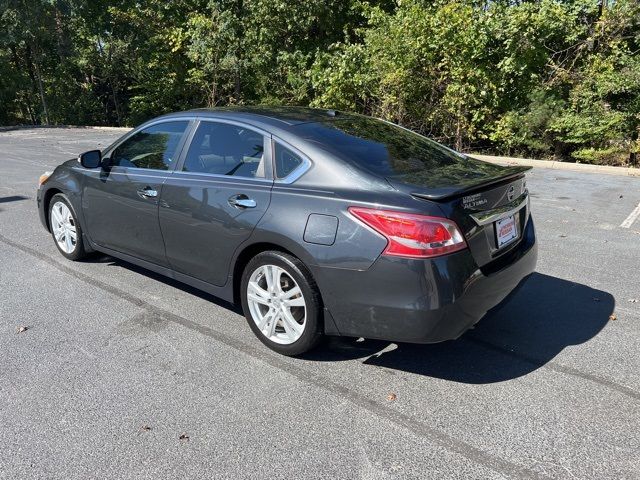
<point>422,301</point>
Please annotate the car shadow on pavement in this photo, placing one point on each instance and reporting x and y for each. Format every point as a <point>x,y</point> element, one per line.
<point>13,198</point>
<point>526,331</point>
<point>111,261</point>
<point>522,334</point>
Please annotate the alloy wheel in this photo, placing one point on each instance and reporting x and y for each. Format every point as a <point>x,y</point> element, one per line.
<point>277,304</point>
<point>64,227</point>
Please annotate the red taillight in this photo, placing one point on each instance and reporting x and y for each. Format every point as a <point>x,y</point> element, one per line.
<point>412,235</point>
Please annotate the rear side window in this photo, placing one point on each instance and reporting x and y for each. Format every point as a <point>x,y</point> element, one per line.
<point>286,161</point>
<point>154,147</point>
<point>223,149</point>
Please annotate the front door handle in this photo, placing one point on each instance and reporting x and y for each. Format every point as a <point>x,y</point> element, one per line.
<point>242,201</point>
<point>148,192</point>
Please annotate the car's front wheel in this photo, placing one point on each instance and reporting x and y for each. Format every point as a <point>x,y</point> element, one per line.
<point>281,302</point>
<point>65,228</point>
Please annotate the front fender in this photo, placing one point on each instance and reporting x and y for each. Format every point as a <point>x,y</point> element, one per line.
<point>62,180</point>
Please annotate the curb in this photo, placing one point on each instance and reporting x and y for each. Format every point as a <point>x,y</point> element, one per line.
<point>33,127</point>
<point>553,164</point>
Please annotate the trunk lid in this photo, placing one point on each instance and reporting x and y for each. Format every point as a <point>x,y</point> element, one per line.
<point>465,176</point>
<point>479,197</point>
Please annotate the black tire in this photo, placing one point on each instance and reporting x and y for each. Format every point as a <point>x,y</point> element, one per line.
<point>293,267</point>
<point>79,252</point>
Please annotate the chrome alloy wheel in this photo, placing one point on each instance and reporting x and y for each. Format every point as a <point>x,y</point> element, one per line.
<point>276,304</point>
<point>64,228</point>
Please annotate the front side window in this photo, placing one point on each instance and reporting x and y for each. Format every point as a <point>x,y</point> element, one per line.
<point>154,147</point>
<point>286,161</point>
<point>224,149</point>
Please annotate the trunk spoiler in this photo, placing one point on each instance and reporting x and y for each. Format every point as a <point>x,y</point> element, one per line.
<point>448,193</point>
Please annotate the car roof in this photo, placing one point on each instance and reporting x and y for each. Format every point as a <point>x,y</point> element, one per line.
<point>280,117</point>
<point>282,122</point>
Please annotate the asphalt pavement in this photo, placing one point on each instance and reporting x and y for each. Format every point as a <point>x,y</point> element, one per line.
<point>124,374</point>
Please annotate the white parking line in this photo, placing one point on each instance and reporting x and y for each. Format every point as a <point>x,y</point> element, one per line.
<point>631,218</point>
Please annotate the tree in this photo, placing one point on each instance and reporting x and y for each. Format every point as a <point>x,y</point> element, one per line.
<point>551,78</point>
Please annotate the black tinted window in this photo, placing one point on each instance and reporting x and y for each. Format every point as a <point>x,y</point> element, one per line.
<point>224,149</point>
<point>380,147</point>
<point>154,147</point>
<point>286,161</point>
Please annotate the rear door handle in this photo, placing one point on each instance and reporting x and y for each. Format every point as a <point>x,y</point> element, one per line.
<point>148,192</point>
<point>242,201</point>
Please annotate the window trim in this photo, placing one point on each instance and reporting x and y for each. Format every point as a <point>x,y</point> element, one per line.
<point>267,148</point>
<point>297,172</point>
<point>179,149</point>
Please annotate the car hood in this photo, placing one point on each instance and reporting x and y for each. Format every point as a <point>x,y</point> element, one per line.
<point>72,162</point>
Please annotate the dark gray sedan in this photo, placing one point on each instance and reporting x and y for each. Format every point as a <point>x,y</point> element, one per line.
<point>316,221</point>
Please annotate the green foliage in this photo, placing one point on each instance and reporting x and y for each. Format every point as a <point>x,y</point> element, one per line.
<point>550,78</point>
<point>527,131</point>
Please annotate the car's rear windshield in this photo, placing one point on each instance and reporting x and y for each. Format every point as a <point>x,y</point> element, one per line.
<point>380,147</point>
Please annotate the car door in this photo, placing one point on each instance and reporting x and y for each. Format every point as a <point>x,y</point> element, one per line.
<point>215,198</point>
<point>120,201</point>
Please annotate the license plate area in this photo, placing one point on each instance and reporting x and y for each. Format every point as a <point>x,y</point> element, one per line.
<point>506,231</point>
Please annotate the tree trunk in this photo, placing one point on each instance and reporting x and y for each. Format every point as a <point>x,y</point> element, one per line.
<point>32,59</point>
<point>633,155</point>
<point>30,111</point>
<point>41,89</point>
<point>459,131</point>
<point>237,82</point>
<point>239,37</point>
<point>115,102</point>
<point>33,75</point>
<point>23,95</point>
<point>111,80</point>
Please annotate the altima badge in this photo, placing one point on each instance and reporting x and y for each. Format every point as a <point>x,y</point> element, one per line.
<point>473,201</point>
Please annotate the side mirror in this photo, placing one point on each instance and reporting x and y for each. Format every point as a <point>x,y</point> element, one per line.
<point>90,159</point>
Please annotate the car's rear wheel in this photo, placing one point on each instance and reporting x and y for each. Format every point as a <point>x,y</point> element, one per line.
<point>281,302</point>
<point>65,228</point>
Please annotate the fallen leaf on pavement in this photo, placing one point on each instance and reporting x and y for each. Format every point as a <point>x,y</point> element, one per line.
<point>22,328</point>
<point>613,316</point>
<point>392,397</point>
<point>184,436</point>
